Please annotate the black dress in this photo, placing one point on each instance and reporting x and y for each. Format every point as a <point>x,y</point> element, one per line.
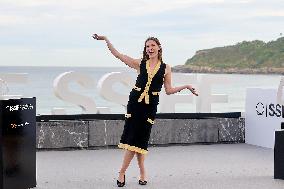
<point>142,108</point>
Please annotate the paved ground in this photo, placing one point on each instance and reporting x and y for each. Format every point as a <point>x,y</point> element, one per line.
<point>218,166</point>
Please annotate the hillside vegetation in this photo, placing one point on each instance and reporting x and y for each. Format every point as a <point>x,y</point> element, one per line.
<point>244,57</point>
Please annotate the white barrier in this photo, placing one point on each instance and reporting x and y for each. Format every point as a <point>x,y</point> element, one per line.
<point>263,115</point>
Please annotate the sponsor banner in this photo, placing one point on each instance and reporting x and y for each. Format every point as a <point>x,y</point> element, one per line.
<point>263,115</point>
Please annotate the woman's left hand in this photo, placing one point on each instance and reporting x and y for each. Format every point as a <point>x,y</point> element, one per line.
<point>189,87</point>
<point>99,37</point>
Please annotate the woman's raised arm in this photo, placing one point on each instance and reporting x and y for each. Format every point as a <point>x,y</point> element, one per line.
<point>131,62</point>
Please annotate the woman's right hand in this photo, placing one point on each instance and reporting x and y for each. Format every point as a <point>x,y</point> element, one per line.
<point>98,37</point>
<point>189,87</point>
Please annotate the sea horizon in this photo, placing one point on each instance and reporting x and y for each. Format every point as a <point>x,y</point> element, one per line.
<point>40,85</point>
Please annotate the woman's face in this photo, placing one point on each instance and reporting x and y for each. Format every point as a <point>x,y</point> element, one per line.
<point>152,49</point>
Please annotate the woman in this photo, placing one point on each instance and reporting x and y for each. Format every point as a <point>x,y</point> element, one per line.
<point>143,101</point>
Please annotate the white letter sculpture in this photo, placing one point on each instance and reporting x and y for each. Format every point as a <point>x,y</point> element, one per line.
<point>61,90</point>
<point>280,92</point>
<point>11,78</point>
<point>205,98</point>
<point>105,87</point>
<point>168,102</point>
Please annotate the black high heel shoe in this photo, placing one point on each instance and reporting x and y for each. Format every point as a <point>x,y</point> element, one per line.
<point>120,184</point>
<point>142,182</point>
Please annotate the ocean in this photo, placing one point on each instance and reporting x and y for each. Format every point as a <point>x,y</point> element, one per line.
<point>40,85</point>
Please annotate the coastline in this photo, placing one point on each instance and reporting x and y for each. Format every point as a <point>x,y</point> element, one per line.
<point>197,69</point>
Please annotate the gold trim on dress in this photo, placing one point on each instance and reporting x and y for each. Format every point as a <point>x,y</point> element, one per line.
<point>127,115</point>
<point>132,148</point>
<point>148,84</point>
<point>137,88</point>
<point>155,93</point>
<point>151,121</point>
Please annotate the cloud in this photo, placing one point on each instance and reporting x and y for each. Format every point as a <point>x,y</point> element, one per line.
<point>269,13</point>
<point>25,3</point>
<point>68,4</point>
<point>61,29</point>
<point>47,11</point>
<point>124,7</point>
<point>7,20</point>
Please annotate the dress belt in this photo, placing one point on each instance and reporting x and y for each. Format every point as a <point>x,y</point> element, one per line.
<point>145,94</point>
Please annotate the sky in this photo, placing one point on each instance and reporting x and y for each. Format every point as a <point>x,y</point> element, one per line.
<point>58,32</point>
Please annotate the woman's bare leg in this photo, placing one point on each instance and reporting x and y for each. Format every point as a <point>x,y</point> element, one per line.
<point>128,156</point>
<point>141,159</point>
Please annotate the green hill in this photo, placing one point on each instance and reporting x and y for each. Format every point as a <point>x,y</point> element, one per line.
<point>245,57</point>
